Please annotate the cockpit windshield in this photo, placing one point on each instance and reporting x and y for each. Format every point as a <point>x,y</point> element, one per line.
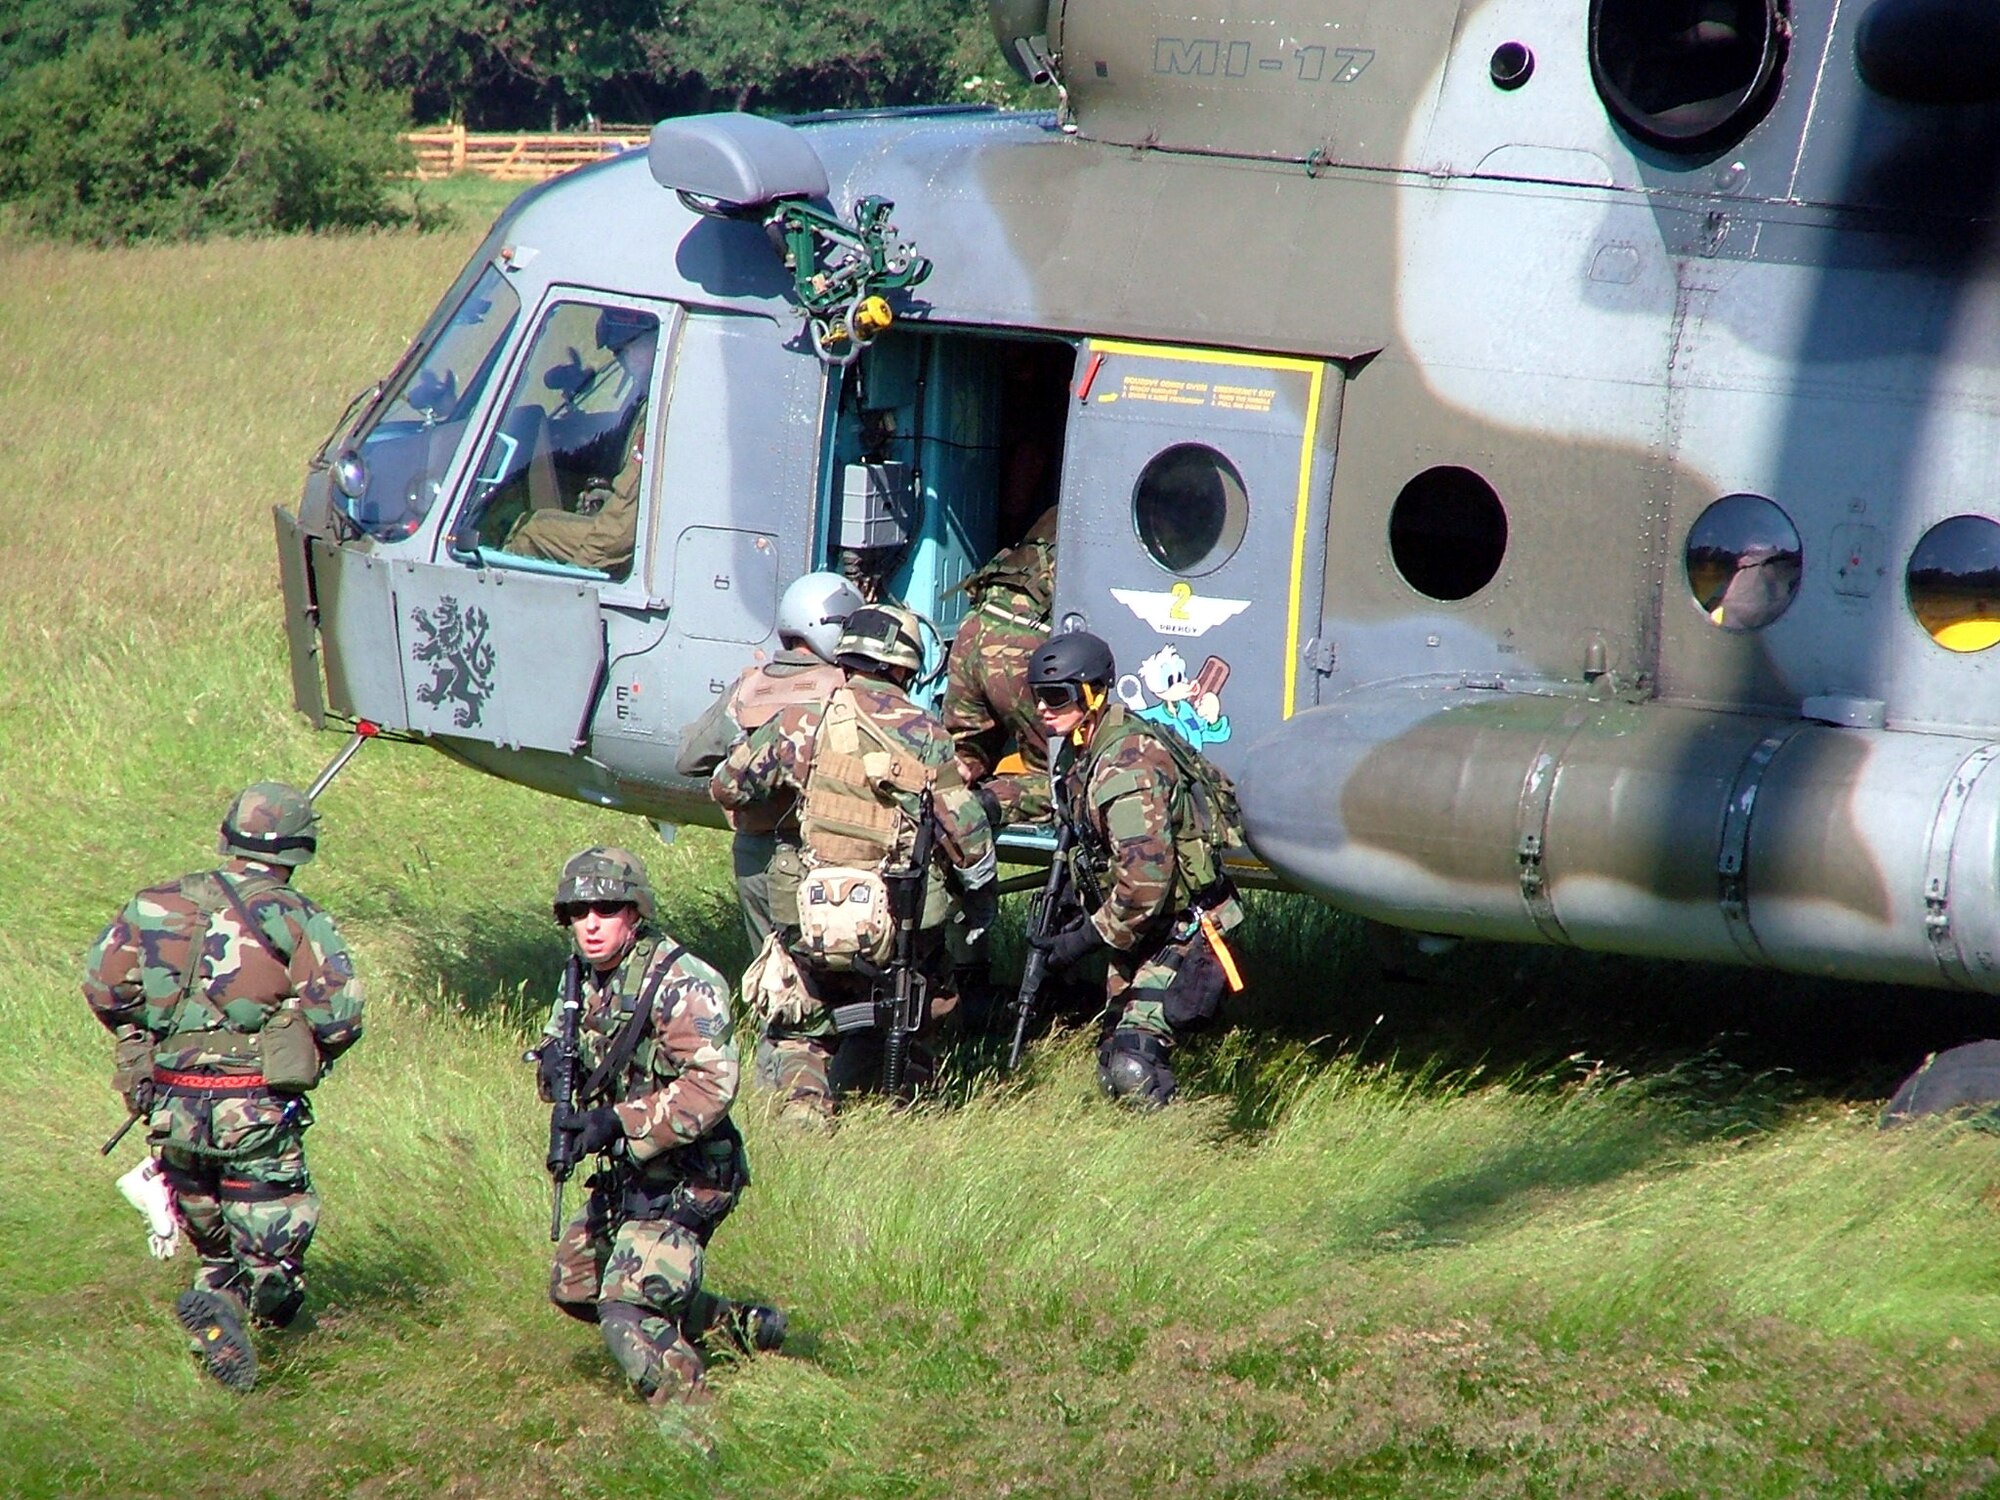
<point>387,482</point>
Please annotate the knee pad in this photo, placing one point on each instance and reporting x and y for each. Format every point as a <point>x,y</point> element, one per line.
<point>1132,1067</point>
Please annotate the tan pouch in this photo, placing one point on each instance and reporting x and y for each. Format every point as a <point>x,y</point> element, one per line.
<point>775,989</point>
<point>289,1052</point>
<point>844,916</point>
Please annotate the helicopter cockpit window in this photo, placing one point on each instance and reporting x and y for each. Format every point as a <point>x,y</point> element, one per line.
<point>1447,533</point>
<point>1190,508</point>
<point>1743,561</point>
<point>1954,583</point>
<point>559,482</point>
<point>387,483</point>
<point>1688,75</point>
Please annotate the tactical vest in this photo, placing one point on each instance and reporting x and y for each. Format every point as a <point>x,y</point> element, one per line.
<point>229,1030</point>
<point>755,700</point>
<point>852,814</point>
<point>1202,805</point>
<point>716,1156</point>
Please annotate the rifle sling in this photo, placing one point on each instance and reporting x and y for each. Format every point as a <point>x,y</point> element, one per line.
<point>614,1061</point>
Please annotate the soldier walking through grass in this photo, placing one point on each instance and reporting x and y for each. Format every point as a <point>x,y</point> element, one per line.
<point>654,1073</point>
<point>231,994</point>
<point>1150,818</point>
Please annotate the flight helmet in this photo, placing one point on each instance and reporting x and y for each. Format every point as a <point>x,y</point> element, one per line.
<point>882,635</point>
<point>813,610</point>
<point>272,822</point>
<point>604,873</point>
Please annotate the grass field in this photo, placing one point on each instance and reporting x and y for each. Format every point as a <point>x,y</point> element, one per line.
<point>1542,1225</point>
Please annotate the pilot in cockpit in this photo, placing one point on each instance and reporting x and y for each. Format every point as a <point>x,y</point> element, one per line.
<point>602,407</point>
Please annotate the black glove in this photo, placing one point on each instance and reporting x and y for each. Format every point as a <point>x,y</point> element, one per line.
<point>981,906</point>
<point>596,1130</point>
<point>547,1066</point>
<point>1070,946</point>
<point>996,817</point>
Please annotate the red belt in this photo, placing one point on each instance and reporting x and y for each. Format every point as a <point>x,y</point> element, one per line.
<point>209,1083</point>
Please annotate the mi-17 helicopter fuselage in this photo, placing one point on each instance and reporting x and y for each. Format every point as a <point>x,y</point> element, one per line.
<point>1544,449</point>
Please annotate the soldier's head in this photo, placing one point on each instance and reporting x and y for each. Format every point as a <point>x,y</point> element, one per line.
<point>883,640</point>
<point>603,898</point>
<point>272,822</point>
<point>814,612</point>
<point>1070,678</point>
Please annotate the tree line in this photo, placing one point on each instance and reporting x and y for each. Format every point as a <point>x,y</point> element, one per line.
<point>124,120</point>
<point>545,64</point>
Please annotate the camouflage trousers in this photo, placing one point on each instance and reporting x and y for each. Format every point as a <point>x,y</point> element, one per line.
<point>813,1065</point>
<point>639,1280</point>
<point>250,1218</point>
<point>1163,987</point>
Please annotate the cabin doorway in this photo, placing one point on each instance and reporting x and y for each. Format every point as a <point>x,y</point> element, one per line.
<point>945,448</point>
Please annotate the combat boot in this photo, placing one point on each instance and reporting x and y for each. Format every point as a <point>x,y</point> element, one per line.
<point>215,1334</point>
<point>751,1326</point>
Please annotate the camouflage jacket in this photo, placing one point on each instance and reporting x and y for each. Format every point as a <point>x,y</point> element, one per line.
<point>776,761</point>
<point>794,675</point>
<point>136,972</point>
<point>1123,792</point>
<point>681,1078</point>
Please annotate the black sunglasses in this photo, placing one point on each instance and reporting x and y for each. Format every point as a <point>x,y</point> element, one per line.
<point>576,909</point>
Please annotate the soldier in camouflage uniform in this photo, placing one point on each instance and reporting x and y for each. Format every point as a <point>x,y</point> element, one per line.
<point>1152,888</point>
<point>657,1071</point>
<point>810,617</point>
<point>986,698</point>
<point>230,995</point>
<point>859,764</point>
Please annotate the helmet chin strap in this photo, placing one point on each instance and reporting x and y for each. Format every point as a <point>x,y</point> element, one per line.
<point>1093,703</point>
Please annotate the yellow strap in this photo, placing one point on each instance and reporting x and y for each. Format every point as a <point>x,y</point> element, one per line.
<point>1222,954</point>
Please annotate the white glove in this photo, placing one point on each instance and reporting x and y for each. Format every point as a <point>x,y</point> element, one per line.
<point>146,1188</point>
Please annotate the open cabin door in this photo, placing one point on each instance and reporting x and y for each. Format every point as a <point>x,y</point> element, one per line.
<point>1193,528</point>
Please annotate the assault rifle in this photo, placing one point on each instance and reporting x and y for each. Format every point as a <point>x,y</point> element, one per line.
<point>562,1139</point>
<point>1045,916</point>
<point>906,1001</point>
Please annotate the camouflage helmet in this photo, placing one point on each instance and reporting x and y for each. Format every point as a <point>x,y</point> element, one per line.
<point>603,873</point>
<point>886,635</point>
<point>272,822</point>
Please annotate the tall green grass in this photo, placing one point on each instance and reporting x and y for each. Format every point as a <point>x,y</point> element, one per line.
<point>1539,1224</point>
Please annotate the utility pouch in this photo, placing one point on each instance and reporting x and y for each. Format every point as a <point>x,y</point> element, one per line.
<point>786,870</point>
<point>845,920</point>
<point>288,1050</point>
<point>132,1069</point>
<point>775,989</point>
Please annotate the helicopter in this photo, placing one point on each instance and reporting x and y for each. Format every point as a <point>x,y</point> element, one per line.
<point>1542,449</point>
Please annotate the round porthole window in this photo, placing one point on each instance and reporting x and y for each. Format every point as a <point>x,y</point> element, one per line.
<point>1743,562</point>
<point>1447,533</point>
<point>1190,508</point>
<point>1954,583</point>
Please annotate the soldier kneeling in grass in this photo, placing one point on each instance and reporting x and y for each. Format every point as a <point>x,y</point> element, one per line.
<point>641,1067</point>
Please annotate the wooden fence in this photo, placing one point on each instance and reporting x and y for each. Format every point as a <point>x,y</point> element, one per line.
<point>514,158</point>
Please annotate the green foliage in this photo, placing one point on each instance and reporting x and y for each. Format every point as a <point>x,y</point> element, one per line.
<point>819,54</point>
<point>126,141</point>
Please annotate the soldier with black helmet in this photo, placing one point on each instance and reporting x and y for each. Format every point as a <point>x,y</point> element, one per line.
<point>656,1072</point>
<point>1150,818</point>
<point>862,766</point>
<point>231,994</point>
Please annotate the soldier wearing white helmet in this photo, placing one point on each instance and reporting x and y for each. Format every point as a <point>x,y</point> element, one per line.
<point>811,615</point>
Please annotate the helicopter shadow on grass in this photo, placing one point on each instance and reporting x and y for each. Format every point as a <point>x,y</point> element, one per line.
<point>1498,1010</point>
